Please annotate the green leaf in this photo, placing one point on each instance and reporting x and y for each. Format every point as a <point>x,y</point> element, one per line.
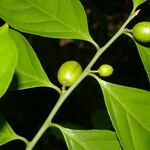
<point>50,18</point>
<point>90,139</point>
<point>144,52</point>
<point>8,59</point>
<point>29,72</point>
<point>136,3</point>
<point>6,132</point>
<point>129,109</point>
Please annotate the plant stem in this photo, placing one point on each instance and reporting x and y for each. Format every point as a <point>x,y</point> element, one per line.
<point>94,71</point>
<point>24,140</point>
<point>65,94</point>
<point>38,135</point>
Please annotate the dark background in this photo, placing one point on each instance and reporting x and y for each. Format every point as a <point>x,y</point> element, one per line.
<point>84,109</point>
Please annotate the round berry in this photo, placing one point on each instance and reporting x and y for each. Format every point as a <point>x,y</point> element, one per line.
<point>141,32</point>
<point>105,70</point>
<point>68,73</point>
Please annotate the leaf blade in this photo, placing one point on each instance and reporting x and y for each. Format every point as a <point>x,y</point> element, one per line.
<point>129,110</point>
<point>89,139</point>
<point>8,59</point>
<point>29,72</point>
<point>144,52</point>
<point>56,19</point>
<point>136,3</point>
<point>6,132</point>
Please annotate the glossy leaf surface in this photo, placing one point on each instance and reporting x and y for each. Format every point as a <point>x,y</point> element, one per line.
<point>90,139</point>
<point>129,109</point>
<point>6,132</point>
<point>29,72</point>
<point>8,59</point>
<point>144,52</point>
<point>50,18</point>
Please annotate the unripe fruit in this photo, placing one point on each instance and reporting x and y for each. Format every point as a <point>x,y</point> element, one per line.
<point>105,70</point>
<point>141,32</point>
<point>68,73</point>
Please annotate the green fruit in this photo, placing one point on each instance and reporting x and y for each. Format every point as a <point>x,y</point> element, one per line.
<point>68,73</point>
<point>141,32</point>
<point>105,70</point>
